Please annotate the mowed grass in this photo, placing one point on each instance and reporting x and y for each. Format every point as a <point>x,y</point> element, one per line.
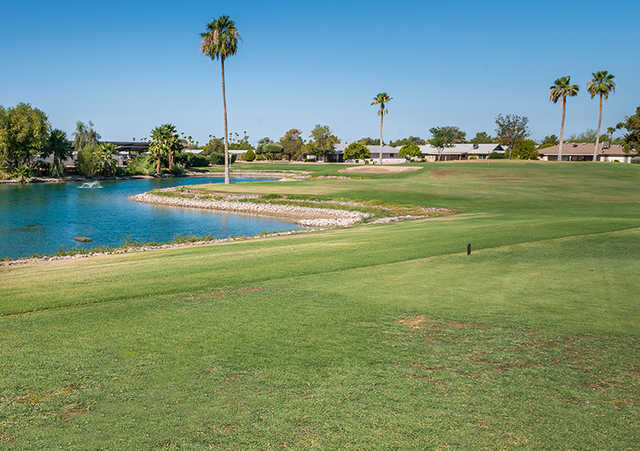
<point>376,336</point>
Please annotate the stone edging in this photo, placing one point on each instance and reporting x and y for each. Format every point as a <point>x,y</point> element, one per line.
<point>307,216</point>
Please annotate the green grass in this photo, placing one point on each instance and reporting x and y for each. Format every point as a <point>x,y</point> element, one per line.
<point>376,336</point>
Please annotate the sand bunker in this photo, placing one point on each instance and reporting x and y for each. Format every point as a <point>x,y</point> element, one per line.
<point>381,169</point>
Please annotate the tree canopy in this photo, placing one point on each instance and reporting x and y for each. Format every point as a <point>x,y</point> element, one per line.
<point>356,151</point>
<point>220,41</point>
<point>322,140</point>
<point>458,135</point>
<point>483,138</point>
<point>549,141</point>
<point>631,138</point>
<point>292,144</point>
<point>511,128</point>
<point>406,141</point>
<point>410,151</point>
<point>24,132</point>
<point>442,138</point>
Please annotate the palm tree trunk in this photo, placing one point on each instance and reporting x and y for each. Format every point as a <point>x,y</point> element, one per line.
<point>158,166</point>
<point>595,150</point>
<point>226,131</point>
<point>170,160</point>
<point>564,113</point>
<point>381,144</point>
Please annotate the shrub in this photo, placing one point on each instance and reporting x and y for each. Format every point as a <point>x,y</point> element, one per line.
<point>22,173</point>
<point>178,169</point>
<point>249,155</point>
<point>87,160</point>
<point>635,160</point>
<point>472,157</point>
<point>356,151</point>
<point>195,160</point>
<point>496,156</point>
<point>410,151</point>
<point>141,165</point>
<point>217,158</point>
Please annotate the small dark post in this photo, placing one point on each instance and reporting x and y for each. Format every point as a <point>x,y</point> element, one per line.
<point>469,249</point>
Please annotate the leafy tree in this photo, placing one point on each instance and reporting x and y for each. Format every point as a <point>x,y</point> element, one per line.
<point>269,150</point>
<point>458,135</point>
<point>356,151</point>
<point>407,141</point>
<point>265,140</point>
<point>85,134</point>
<point>249,155</point>
<point>559,91</point>
<point>526,150</point>
<point>442,138</point>
<point>59,147</point>
<point>292,143</point>
<point>511,128</point>
<point>483,138</point>
<point>220,41</point>
<point>601,85</point>
<point>24,132</point>
<point>549,141</point>
<point>322,140</point>
<point>87,159</point>
<point>382,99</point>
<point>368,141</point>
<point>410,151</point>
<point>631,139</point>
<point>588,136</point>
<point>215,145</point>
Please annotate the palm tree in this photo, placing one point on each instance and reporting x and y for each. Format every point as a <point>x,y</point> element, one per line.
<point>220,41</point>
<point>610,132</point>
<point>560,90</point>
<point>381,99</point>
<point>602,84</point>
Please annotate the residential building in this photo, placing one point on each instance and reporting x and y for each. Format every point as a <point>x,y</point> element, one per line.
<point>584,152</point>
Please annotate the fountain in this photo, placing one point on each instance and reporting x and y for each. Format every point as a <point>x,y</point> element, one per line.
<point>91,185</point>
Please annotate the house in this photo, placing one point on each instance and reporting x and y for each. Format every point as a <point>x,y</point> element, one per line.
<point>584,152</point>
<point>462,151</point>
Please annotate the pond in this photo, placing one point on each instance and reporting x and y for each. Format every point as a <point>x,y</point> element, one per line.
<point>42,218</point>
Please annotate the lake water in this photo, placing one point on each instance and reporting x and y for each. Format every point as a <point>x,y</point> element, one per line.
<point>41,218</point>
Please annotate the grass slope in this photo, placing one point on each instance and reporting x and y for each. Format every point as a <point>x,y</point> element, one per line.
<point>371,337</point>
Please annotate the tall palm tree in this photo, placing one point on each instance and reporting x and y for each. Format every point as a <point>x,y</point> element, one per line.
<point>220,41</point>
<point>601,84</point>
<point>560,90</point>
<point>381,99</point>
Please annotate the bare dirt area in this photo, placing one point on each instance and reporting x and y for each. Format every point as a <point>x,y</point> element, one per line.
<point>381,169</point>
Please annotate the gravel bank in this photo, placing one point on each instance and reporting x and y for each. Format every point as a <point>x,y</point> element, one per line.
<point>307,216</point>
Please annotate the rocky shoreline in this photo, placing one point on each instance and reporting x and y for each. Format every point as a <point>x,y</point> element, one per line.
<point>306,216</point>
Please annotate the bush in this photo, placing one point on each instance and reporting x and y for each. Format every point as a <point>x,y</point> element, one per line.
<point>356,151</point>
<point>635,160</point>
<point>87,160</point>
<point>496,156</point>
<point>141,165</point>
<point>410,151</point>
<point>195,160</point>
<point>472,157</point>
<point>249,155</point>
<point>217,158</point>
<point>178,169</point>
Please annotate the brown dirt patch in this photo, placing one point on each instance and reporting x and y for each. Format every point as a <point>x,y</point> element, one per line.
<point>68,412</point>
<point>381,169</point>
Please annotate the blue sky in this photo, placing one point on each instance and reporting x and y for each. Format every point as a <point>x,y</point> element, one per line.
<point>129,66</point>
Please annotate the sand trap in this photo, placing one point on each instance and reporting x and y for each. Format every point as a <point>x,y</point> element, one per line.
<point>381,169</point>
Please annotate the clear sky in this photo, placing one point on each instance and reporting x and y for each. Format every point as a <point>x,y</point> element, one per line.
<point>129,66</point>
